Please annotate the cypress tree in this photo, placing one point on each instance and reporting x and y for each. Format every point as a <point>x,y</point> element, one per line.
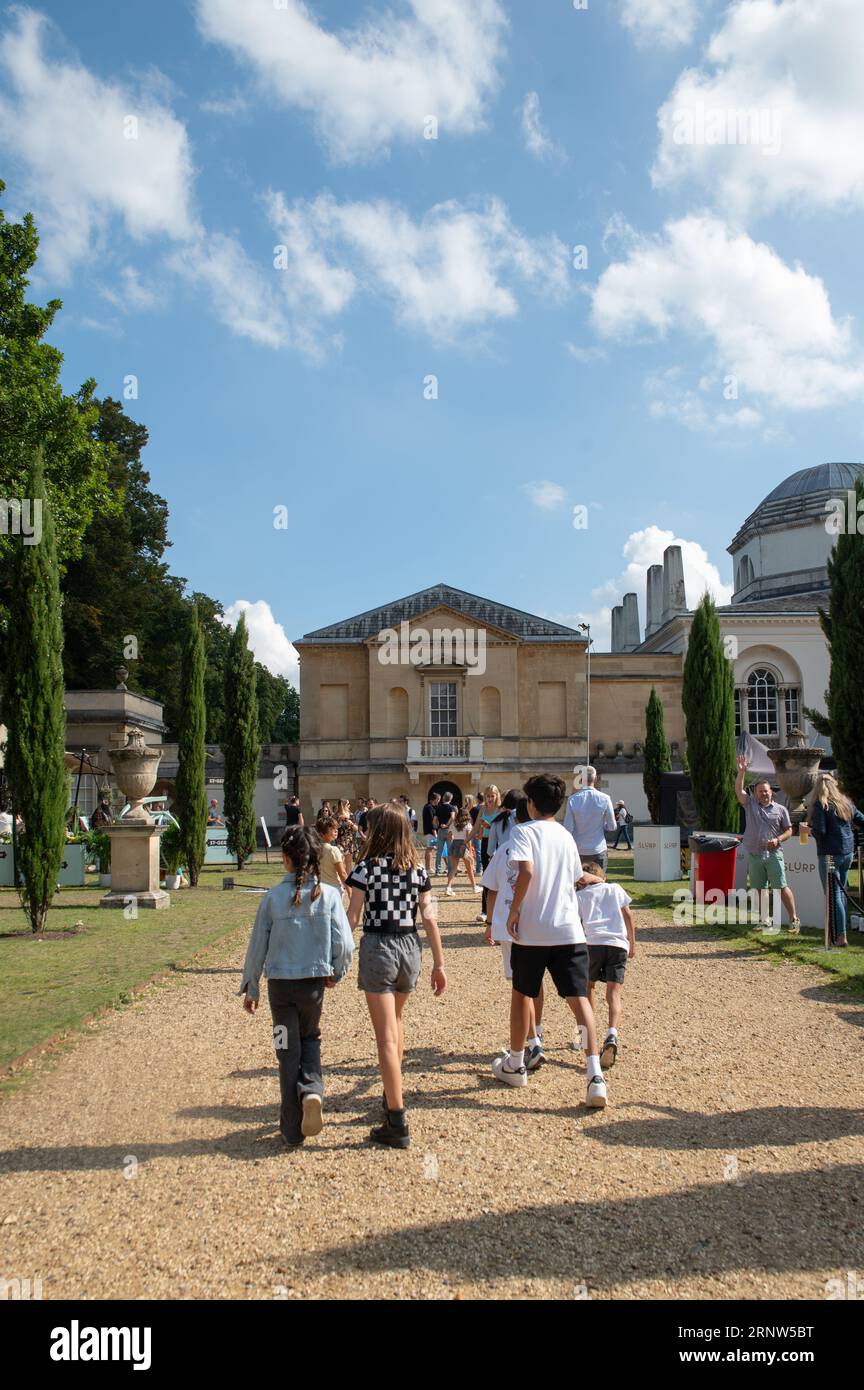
<point>242,749</point>
<point>191,793</point>
<point>708,697</point>
<point>33,703</point>
<point>843,626</point>
<point>658,757</point>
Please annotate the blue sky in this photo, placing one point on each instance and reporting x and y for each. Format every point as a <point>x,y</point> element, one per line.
<point>710,346</point>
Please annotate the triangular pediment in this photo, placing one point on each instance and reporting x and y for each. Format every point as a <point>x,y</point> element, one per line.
<point>454,605</point>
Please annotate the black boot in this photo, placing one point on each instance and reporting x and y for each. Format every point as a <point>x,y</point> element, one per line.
<point>393,1132</point>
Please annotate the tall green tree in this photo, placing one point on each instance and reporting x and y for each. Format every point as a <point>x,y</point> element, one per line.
<point>33,703</point>
<point>278,708</point>
<point>190,791</point>
<point>708,697</point>
<point>658,757</point>
<point>843,625</point>
<point>241,746</point>
<point>36,413</point>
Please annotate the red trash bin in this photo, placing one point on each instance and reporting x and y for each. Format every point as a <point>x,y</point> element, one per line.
<point>713,862</point>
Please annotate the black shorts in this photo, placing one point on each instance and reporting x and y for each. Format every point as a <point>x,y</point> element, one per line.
<point>607,964</point>
<point>568,966</point>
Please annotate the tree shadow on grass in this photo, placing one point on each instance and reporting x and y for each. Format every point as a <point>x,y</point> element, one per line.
<point>770,1223</point>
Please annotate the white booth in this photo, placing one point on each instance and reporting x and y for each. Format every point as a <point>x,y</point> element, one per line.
<point>656,853</point>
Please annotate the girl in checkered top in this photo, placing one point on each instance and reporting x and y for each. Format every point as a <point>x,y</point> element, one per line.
<point>387,889</point>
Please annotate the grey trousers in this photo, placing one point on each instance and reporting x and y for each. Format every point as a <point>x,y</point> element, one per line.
<point>296,1008</point>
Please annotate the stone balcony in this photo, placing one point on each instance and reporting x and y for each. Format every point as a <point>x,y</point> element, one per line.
<point>456,749</point>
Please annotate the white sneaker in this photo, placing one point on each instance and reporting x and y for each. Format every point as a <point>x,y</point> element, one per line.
<point>502,1072</point>
<point>312,1122</point>
<point>597,1096</point>
<point>794,927</point>
<point>448,892</point>
<point>477,888</point>
<point>481,917</point>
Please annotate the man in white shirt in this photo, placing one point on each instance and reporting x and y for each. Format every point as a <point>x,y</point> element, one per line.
<point>544,924</point>
<point>589,815</point>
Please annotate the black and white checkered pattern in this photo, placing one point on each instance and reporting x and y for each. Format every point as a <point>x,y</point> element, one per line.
<point>392,895</point>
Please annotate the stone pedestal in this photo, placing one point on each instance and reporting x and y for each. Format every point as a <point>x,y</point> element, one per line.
<point>135,866</point>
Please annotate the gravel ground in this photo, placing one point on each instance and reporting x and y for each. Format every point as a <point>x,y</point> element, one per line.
<point>147,1163</point>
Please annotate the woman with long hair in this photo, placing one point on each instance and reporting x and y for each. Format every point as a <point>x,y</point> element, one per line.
<point>489,808</point>
<point>387,888</point>
<point>830,816</point>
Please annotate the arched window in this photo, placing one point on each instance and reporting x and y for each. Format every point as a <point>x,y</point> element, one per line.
<point>490,711</point>
<point>397,712</point>
<point>762,711</point>
<point>745,572</point>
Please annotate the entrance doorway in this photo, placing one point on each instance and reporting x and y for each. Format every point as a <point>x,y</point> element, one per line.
<point>442,787</point>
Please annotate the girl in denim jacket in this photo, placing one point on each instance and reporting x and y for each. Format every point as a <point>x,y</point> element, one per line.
<point>302,941</point>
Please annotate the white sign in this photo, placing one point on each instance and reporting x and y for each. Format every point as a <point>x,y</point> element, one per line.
<point>266,835</point>
<point>656,853</point>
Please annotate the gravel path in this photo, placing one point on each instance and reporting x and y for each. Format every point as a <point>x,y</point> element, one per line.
<point>147,1163</point>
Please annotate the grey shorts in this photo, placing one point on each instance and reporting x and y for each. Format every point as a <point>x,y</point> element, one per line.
<point>389,964</point>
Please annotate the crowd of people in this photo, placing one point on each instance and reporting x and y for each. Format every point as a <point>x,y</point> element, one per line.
<point>547,904</point>
<point>364,869</point>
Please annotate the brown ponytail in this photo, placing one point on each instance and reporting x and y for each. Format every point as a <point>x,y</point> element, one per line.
<point>302,846</point>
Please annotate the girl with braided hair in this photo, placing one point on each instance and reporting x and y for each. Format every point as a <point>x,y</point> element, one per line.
<point>302,942</point>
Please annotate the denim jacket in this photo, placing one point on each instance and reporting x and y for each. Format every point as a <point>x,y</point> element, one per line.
<point>298,943</point>
<point>833,835</point>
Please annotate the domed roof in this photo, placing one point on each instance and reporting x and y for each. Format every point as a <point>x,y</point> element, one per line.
<point>825,476</point>
<point>799,499</point>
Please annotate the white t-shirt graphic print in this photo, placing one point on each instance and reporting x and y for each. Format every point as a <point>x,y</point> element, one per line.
<point>549,915</point>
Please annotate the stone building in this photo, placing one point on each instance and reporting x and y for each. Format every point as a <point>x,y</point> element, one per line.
<point>445,689</point>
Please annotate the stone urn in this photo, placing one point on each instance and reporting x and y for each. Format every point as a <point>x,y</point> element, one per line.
<point>796,766</point>
<point>135,838</point>
<point>135,767</point>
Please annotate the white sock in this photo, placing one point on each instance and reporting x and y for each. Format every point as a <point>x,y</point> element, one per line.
<point>539,1033</point>
<point>592,1066</point>
<point>612,1033</point>
<point>533,1042</point>
<point>515,1060</point>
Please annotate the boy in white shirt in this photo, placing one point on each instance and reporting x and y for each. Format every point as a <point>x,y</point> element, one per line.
<point>543,922</point>
<point>611,935</point>
<point>499,880</point>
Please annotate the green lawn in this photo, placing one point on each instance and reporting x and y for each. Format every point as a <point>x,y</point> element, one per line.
<point>53,984</point>
<point>846,966</point>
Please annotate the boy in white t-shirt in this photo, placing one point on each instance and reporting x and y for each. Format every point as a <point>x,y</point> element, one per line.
<point>611,935</point>
<point>499,880</point>
<point>543,922</point>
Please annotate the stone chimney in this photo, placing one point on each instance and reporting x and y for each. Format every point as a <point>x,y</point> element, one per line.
<point>674,594</point>
<point>617,624</point>
<point>655,600</point>
<point>630,624</point>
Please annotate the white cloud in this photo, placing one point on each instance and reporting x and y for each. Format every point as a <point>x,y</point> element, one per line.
<point>267,638</point>
<point>225,106</point>
<point>545,495</point>
<point>769,325</point>
<point>242,294</point>
<point>534,135</point>
<point>70,132</point>
<point>585,355</point>
<point>667,23</point>
<point>374,83</point>
<point>130,295</point>
<point>796,67</point>
<point>642,549</point>
<point>448,272</point>
<point>703,410</point>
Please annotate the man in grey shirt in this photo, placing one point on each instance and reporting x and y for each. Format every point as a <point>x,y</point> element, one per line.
<point>767,826</point>
<point>588,816</point>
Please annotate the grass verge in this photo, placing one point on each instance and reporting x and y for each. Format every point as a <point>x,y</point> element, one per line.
<point>92,958</point>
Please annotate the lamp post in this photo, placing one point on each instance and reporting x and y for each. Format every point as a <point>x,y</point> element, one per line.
<point>586,628</point>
